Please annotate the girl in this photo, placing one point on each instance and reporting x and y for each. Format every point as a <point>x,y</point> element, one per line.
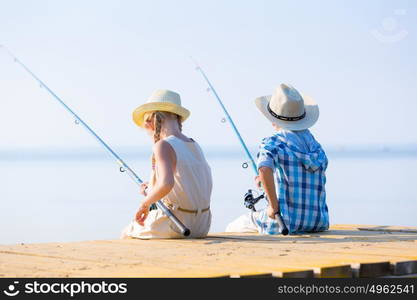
<point>180,175</point>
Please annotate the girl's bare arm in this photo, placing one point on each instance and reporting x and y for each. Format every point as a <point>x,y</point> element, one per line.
<point>165,160</point>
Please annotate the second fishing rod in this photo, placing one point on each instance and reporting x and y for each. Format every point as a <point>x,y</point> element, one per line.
<point>249,199</point>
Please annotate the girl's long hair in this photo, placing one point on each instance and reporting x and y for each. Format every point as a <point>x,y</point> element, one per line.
<point>157,119</point>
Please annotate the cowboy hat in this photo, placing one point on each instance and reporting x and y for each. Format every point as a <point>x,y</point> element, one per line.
<point>288,108</point>
<point>161,100</point>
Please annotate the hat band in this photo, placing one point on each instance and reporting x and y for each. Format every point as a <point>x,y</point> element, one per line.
<point>283,118</point>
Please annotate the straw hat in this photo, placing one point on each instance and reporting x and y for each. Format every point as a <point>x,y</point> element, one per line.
<point>161,100</point>
<point>288,108</point>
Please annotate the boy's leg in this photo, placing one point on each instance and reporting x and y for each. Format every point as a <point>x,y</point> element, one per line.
<point>243,223</point>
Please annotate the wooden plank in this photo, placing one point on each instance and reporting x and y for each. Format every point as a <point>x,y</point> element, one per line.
<point>198,267</point>
<point>389,229</point>
<point>251,275</point>
<point>401,276</point>
<point>294,274</point>
<point>327,254</point>
<point>342,271</point>
<point>367,226</point>
<point>371,270</point>
<point>404,267</point>
<point>192,267</point>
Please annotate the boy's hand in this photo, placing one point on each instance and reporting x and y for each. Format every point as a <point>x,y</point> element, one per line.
<point>271,212</point>
<point>143,187</point>
<point>258,182</point>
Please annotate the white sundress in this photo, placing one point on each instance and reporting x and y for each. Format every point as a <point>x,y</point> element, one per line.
<point>191,192</point>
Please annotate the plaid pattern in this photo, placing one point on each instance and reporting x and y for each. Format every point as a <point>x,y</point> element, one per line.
<point>301,182</point>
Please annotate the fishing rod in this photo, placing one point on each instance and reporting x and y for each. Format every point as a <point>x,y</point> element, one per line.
<point>245,148</point>
<point>249,199</point>
<point>123,166</point>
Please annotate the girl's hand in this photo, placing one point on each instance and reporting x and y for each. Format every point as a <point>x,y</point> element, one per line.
<point>258,182</point>
<point>143,187</point>
<point>271,212</point>
<point>142,214</point>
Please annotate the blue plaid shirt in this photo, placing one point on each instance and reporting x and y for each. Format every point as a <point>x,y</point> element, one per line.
<point>299,163</point>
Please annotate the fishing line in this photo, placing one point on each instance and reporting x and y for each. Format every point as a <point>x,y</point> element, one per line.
<point>245,148</point>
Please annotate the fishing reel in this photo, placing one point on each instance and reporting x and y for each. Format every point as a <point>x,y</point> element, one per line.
<point>250,200</point>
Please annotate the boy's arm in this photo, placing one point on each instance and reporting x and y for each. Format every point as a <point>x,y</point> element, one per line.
<point>266,176</point>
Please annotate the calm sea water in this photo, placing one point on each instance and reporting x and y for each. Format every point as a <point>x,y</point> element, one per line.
<point>89,199</point>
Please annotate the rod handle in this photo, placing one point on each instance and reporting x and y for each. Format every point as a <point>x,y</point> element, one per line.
<point>281,225</point>
<point>184,230</point>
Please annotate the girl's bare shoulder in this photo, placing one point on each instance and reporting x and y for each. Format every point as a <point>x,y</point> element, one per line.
<point>162,147</point>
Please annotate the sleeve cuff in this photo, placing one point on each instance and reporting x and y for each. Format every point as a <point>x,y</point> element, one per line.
<point>266,163</point>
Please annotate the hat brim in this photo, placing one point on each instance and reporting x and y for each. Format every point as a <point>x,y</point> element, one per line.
<point>140,111</point>
<point>311,117</point>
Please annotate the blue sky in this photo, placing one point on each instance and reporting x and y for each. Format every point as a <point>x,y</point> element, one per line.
<point>104,58</point>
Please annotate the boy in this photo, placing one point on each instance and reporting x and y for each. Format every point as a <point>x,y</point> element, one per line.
<point>299,164</point>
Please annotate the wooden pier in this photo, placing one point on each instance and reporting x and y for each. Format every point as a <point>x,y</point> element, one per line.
<point>343,251</point>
